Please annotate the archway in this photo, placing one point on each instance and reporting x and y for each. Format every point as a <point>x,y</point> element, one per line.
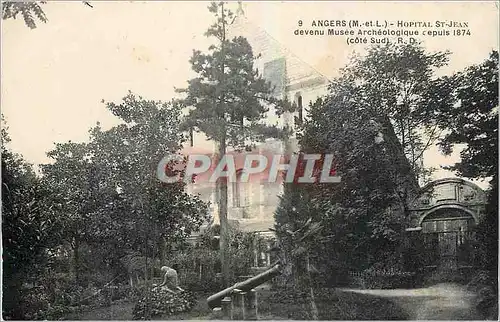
<point>448,237</point>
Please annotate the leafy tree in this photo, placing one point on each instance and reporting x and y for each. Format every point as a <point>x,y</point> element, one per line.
<point>228,101</point>
<point>29,227</point>
<point>399,81</point>
<point>113,200</point>
<point>373,121</point>
<point>78,184</point>
<point>366,210</point>
<point>473,121</point>
<point>131,153</point>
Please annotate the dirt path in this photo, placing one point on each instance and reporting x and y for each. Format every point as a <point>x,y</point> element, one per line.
<point>439,302</point>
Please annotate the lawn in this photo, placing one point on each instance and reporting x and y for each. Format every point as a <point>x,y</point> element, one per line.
<point>332,305</point>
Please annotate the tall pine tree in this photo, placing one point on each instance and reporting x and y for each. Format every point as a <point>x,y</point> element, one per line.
<point>229,101</point>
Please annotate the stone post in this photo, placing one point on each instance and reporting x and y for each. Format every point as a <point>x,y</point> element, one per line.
<point>239,304</point>
<point>227,308</point>
<point>217,313</point>
<point>242,304</point>
<point>251,302</point>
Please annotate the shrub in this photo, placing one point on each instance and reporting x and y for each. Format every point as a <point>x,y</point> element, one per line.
<point>163,303</point>
<point>485,286</point>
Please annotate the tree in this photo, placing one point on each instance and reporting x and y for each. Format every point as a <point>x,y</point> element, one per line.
<point>298,240</point>
<point>399,81</point>
<point>30,11</point>
<point>113,200</point>
<point>364,213</point>
<point>131,152</point>
<point>80,185</point>
<point>372,121</point>
<point>228,102</point>
<point>473,121</point>
<point>29,227</point>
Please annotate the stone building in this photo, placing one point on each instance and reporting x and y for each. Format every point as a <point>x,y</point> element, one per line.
<point>442,223</point>
<point>251,205</point>
<point>443,216</point>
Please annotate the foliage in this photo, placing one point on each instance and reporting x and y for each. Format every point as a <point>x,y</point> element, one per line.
<point>113,201</point>
<point>474,119</point>
<point>198,265</point>
<point>391,91</point>
<point>30,11</point>
<point>487,294</point>
<point>163,303</point>
<point>399,82</point>
<point>229,99</point>
<point>104,202</point>
<point>29,226</point>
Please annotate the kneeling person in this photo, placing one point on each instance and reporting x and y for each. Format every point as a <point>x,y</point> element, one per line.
<point>170,280</point>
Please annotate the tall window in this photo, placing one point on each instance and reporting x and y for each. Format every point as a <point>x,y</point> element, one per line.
<point>299,116</point>
<point>240,194</point>
<point>299,105</point>
<point>191,137</point>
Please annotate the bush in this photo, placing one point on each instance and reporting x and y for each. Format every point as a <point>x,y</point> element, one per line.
<point>163,303</point>
<point>191,281</point>
<point>485,286</point>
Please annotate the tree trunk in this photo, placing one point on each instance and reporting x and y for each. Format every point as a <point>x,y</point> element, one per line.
<point>222,184</point>
<point>224,223</point>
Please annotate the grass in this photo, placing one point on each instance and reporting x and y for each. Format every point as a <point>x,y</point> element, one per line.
<point>332,305</point>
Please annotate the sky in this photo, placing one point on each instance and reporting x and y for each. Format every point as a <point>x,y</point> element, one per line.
<point>55,76</point>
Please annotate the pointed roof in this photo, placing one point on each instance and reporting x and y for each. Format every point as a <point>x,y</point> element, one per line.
<point>270,48</point>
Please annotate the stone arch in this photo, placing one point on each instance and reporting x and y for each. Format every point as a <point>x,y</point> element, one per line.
<point>451,193</point>
<point>448,206</point>
<point>438,182</point>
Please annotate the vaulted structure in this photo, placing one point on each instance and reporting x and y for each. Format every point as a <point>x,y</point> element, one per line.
<point>442,224</point>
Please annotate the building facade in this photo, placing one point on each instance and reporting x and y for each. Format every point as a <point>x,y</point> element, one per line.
<point>442,223</point>
<point>251,205</point>
<point>443,216</point>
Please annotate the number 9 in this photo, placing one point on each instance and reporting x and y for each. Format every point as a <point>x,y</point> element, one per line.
<point>300,23</point>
